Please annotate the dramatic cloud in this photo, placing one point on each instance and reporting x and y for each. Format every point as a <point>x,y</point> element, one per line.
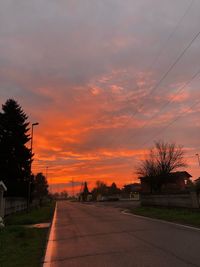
<point>93,74</point>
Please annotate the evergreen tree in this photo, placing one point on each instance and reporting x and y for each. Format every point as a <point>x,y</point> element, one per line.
<point>113,189</point>
<point>15,157</point>
<point>40,187</point>
<point>85,192</point>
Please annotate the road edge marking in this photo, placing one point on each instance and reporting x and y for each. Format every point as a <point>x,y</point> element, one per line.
<point>48,253</point>
<point>126,212</point>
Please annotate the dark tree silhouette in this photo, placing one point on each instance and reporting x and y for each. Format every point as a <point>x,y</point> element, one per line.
<point>40,187</point>
<point>113,189</point>
<point>160,162</point>
<point>85,192</point>
<point>64,194</point>
<point>15,157</point>
<point>107,191</point>
<point>85,189</point>
<point>100,188</point>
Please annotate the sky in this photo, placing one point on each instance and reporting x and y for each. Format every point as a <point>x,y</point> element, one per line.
<point>105,79</point>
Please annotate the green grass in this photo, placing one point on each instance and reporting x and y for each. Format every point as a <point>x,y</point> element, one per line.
<point>22,246</point>
<point>183,216</point>
<point>37,215</point>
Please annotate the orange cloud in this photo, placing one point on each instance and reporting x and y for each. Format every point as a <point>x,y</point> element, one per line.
<point>183,96</point>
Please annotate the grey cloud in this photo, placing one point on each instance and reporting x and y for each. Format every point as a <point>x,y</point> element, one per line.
<point>68,46</point>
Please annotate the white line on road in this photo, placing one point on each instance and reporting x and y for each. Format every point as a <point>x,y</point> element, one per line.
<point>47,259</point>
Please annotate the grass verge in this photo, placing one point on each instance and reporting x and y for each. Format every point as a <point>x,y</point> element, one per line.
<point>22,246</point>
<point>182,216</point>
<point>36,215</point>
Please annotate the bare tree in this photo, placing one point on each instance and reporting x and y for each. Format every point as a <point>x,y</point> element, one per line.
<point>161,161</point>
<point>169,157</point>
<point>147,167</point>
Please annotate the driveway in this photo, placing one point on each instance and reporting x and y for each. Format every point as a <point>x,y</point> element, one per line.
<point>96,236</point>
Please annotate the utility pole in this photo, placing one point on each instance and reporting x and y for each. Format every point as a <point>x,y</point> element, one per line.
<point>47,171</point>
<point>30,167</point>
<point>73,188</point>
<point>47,168</point>
<point>82,185</point>
<point>198,158</point>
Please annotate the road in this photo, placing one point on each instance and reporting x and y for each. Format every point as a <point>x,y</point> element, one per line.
<point>97,236</point>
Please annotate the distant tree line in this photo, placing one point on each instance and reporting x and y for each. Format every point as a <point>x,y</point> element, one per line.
<point>103,189</point>
<point>16,156</point>
<point>60,195</point>
<point>100,189</point>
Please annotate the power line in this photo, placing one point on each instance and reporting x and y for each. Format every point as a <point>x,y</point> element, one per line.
<point>160,52</point>
<point>168,39</point>
<point>172,122</point>
<point>174,31</point>
<point>72,181</point>
<point>177,59</point>
<point>171,67</point>
<point>175,62</point>
<point>172,98</point>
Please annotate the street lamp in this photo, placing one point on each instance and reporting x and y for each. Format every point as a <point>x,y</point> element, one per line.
<point>47,168</point>
<point>32,126</point>
<point>198,158</point>
<point>29,182</point>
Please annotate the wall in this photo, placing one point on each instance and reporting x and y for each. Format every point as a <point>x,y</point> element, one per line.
<point>187,200</point>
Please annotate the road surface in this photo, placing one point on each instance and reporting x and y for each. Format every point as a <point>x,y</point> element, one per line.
<point>97,236</point>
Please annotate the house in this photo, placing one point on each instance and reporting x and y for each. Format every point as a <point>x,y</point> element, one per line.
<point>197,180</point>
<point>85,197</point>
<point>106,193</point>
<point>100,197</point>
<point>197,185</point>
<point>173,183</point>
<point>131,190</point>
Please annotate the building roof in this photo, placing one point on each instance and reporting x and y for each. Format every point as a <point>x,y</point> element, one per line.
<point>183,174</point>
<point>132,184</point>
<point>3,186</point>
<point>173,175</point>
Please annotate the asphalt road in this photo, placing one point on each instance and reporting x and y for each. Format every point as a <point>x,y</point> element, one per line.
<point>97,236</point>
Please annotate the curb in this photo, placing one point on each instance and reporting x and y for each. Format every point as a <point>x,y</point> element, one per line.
<point>48,251</point>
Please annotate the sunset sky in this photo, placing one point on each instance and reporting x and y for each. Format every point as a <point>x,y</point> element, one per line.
<point>105,79</point>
